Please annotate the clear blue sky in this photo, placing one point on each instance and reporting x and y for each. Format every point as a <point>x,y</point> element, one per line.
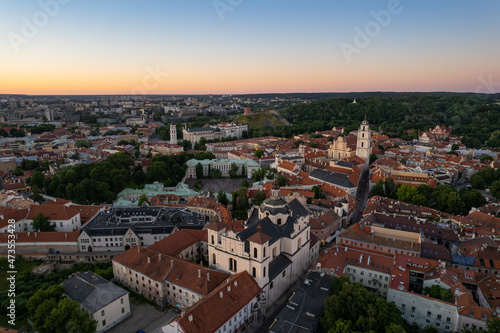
<point>110,46</point>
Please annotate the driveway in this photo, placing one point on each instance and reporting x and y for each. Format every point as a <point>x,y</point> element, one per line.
<point>144,317</point>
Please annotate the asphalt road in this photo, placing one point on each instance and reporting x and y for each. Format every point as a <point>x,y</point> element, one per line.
<point>361,197</point>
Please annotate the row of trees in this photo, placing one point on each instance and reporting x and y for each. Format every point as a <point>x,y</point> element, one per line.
<point>445,198</point>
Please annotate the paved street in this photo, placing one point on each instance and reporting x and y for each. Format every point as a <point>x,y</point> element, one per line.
<point>144,317</point>
<point>362,194</point>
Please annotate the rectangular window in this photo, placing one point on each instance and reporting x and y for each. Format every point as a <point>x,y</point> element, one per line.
<point>102,313</point>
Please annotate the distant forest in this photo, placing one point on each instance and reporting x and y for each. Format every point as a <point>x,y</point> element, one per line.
<point>475,117</point>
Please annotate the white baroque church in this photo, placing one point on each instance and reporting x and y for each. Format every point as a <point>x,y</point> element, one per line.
<point>275,246</point>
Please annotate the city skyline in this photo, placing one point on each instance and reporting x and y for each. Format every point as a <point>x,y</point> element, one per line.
<point>237,47</point>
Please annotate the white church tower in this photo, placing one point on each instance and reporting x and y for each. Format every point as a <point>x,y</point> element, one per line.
<point>173,134</point>
<point>363,148</point>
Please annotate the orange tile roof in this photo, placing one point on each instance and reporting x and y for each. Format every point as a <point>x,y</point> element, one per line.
<point>53,212</point>
<point>182,273</point>
<point>179,241</point>
<point>228,299</point>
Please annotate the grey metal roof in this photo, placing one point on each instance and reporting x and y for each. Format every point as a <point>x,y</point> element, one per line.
<point>92,291</point>
<point>334,178</point>
<point>149,220</point>
<point>277,266</point>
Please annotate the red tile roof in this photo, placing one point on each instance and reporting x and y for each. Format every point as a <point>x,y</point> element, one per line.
<point>158,267</point>
<point>228,299</point>
<point>179,241</point>
<point>53,212</point>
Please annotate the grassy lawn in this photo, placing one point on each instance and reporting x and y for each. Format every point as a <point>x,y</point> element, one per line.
<point>21,267</point>
<point>259,120</point>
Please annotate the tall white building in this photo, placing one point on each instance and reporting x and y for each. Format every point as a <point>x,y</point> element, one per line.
<point>363,148</point>
<point>274,248</point>
<point>173,134</point>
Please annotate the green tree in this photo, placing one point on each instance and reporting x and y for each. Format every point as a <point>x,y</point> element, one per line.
<point>222,198</point>
<point>197,185</point>
<point>143,198</point>
<point>435,291</point>
<point>36,195</point>
<point>364,311</point>
<point>373,158</point>
<point>37,179</point>
<point>82,144</point>
<point>409,194</point>
<point>259,174</point>
<point>245,184</point>
<point>493,326</point>
<point>42,223</point>
<point>52,312</point>
<point>259,198</point>
<point>233,172</point>
<point>403,161</point>
<point>390,188</point>
<point>215,173</point>
<point>477,182</point>
<point>318,192</point>
<point>454,147</point>
<point>378,189</point>
<point>486,157</point>
<point>394,328</point>
<point>282,180</point>
<point>243,171</point>
<point>258,153</point>
<point>199,170</point>
<point>495,189</point>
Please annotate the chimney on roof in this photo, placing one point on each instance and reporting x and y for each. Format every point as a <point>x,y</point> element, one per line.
<point>208,276</point>
<point>221,294</point>
<point>190,317</point>
<point>199,273</point>
<point>159,256</point>
<point>149,260</point>
<point>172,263</point>
<point>35,233</point>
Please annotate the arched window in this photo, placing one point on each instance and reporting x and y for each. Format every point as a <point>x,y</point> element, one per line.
<point>254,272</point>
<point>363,135</point>
<point>255,252</point>
<point>264,252</point>
<point>362,144</point>
<point>264,272</point>
<point>213,259</point>
<point>279,221</point>
<point>213,240</point>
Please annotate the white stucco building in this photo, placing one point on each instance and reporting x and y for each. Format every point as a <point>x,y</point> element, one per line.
<point>274,248</point>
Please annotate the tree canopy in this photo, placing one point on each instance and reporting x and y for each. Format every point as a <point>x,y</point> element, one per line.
<point>351,308</point>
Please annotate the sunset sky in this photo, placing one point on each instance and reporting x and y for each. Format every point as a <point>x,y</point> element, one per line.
<point>251,46</point>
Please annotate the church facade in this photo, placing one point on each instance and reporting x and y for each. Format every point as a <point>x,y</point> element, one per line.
<point>274,248</point>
